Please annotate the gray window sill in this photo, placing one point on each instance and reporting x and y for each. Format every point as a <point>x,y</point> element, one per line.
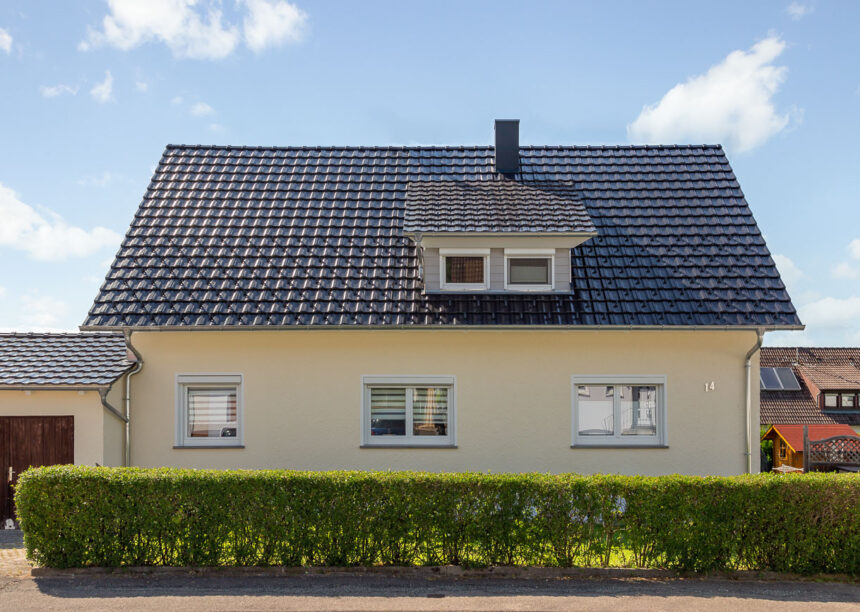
<point>208,446</point>
<point>625,446</point>
<point>408,446</point>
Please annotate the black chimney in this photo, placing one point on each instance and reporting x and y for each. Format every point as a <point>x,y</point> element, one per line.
<point>507,145</point>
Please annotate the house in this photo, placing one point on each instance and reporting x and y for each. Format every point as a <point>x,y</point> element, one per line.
<point>806,386</point>
<point>59,402</point>
<point>445,308</point>
<point>788,440</point>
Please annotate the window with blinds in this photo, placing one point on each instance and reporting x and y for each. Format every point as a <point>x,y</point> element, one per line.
<point>209,410</point>
<point>212,413</point>
<point>408,414</point>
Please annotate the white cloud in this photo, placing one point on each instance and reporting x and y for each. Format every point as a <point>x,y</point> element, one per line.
<point>798,11</point>
<point>42,311</point>
<point>854,248</point>
<point>731,103</point>
<point>216,127</point>
<point>2,292</point>
<point>47,237</point>
<point>270,23</point>
<point>196,29</point>
<point>849,269</point>
<point>142,86</point>
<point>201,109</point>
<point>188,32</point>
<point>97,180</point>
<point>52,91</point>
<point>832,312</point>
<point>176,100</point>
<point>103,92</point>
<point>788,271</point>
<point>5,41</point>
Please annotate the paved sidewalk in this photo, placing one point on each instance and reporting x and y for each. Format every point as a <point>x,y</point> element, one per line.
<point>159,592</point>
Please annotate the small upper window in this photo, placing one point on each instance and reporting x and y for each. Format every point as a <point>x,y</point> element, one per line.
<point>848,400</point>
<point>208,410</point>
<point>831,400</point>
<point>529,270</point>
<point>782,448</point>
<point>465,270</point>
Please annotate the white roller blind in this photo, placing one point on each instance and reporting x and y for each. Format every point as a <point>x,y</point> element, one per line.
<point>430,405</point>
<point>210,411</point>
<point>387,404</point>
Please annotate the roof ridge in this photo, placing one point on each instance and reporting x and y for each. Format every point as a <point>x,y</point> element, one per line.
<point>174,146</point>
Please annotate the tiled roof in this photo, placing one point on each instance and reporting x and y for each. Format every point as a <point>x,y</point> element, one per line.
<point>504,206</point>
<point>74,360</point>
<point>793,434</point>
<point>801,406</point>
<point>234,236</point>
<point>834,369</point>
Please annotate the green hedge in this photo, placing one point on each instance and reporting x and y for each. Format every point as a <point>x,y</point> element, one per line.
<point>83,516</point>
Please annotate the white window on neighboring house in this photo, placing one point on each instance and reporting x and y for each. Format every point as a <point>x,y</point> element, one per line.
<point>619,411</point>
<point>208,410</point>
<point>408,411</point>
<point>465,269</point>
<point>529,269</point>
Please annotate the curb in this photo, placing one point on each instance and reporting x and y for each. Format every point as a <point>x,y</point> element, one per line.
<point>445,571</point>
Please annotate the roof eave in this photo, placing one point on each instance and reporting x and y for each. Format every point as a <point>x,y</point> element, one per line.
<point>496,328</point>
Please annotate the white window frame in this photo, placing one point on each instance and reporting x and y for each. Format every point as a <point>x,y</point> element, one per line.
<point>208,380</point>
<point>530,254</point>
<point>446,286</point>
<point>409,440</point>
<point>659,440</point>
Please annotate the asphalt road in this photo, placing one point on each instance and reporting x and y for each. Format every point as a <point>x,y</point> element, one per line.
<point>345,592</point>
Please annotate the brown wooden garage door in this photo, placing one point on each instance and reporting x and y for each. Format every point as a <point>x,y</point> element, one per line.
<point>30,442</point>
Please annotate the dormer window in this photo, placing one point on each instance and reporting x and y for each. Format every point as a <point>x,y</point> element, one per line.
<point>465,269</point>
<point>529,270</point>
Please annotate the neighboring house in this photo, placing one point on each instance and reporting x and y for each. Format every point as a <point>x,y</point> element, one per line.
<point>788,440</point>
<point>59,403</point>
<point>549,308</point>
<point>806,386</point>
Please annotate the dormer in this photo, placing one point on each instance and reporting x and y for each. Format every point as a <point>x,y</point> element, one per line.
<point>502,234</point>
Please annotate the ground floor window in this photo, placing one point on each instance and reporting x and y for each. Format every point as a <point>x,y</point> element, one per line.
<point>209,410</point>
<point>619,411</point>
<point>408,411</point>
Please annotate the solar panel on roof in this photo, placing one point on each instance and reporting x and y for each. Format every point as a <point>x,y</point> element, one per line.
<point>778,379</point>
<point>788,379</point>
<point>769,380</point>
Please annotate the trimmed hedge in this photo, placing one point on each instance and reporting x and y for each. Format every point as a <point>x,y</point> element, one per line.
<point>85,516</point>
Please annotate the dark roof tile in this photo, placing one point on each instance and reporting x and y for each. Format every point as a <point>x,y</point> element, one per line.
<point>265,236</point>
<point>71,360</point>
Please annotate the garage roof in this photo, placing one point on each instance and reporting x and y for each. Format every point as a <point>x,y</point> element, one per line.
<point>65,360</point>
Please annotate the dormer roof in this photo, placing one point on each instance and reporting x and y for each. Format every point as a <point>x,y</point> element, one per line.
<point>495,207</point>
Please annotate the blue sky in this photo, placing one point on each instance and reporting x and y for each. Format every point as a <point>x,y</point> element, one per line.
<point>92,91</point>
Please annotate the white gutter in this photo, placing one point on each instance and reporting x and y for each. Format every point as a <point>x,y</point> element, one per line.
<point>128,376</point>
<point>748,366</point>
<point>439,327</point>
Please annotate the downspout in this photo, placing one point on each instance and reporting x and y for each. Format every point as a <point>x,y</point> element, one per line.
<point>137,368</point>
<point>103,392</point>
<point>748,366</point>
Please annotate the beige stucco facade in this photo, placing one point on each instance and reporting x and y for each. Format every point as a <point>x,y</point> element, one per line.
<point>84,406</point>
<point>302,397</point>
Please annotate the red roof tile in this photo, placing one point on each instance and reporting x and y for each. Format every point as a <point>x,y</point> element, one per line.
<point>793,434</point>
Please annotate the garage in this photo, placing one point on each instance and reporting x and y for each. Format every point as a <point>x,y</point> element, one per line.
<point>60,399</point>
